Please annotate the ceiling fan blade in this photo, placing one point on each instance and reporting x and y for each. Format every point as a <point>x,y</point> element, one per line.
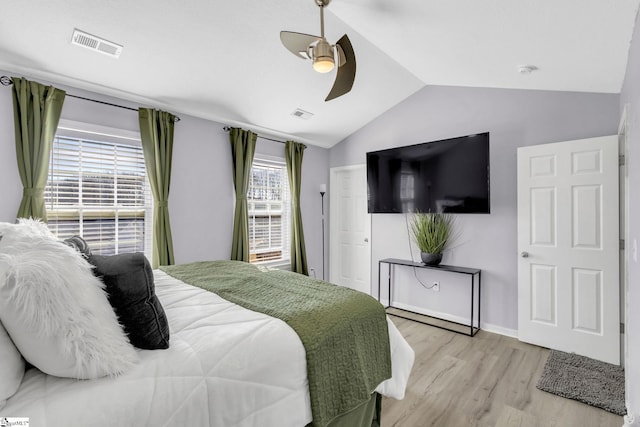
<point>297,43</point>
<point>346,69</point>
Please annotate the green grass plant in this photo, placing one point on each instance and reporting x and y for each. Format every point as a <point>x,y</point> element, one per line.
<point>432,231</point>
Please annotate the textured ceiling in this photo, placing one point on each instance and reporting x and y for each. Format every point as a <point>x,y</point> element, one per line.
<point>224,61</point>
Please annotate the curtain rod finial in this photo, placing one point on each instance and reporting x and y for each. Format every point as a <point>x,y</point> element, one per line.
<point>6,81</point>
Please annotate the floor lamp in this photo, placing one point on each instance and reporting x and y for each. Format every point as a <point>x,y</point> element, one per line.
<point>323,190</point>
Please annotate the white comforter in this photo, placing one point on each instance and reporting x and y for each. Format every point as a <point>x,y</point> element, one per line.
<point>226,366</point>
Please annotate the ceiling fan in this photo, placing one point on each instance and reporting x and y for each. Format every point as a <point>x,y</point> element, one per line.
<point>325,55</point>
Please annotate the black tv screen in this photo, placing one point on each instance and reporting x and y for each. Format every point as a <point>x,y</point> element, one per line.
<point>451,175</point>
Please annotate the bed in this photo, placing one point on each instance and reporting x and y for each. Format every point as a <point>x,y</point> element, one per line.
<point>226,366</point>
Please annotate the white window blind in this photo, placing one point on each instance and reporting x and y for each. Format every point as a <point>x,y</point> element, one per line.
<point>269,212</point>
<point>99,190</point>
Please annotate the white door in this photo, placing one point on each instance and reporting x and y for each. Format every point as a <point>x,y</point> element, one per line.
<point>350,226</point>
<point>568,271</point>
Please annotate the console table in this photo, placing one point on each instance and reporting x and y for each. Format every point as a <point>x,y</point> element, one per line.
<point>471,272</point>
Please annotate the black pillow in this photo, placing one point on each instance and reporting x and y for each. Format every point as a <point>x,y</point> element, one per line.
<point>129,284</point>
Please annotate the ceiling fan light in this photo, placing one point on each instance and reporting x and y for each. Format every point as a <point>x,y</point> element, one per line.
<point>322,54</point>
<point>323,64</point>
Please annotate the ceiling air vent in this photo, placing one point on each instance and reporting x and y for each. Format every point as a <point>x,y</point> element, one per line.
<point>302,114</point>
<point>80,38</point>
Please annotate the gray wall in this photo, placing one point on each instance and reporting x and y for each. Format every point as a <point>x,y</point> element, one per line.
<point>630,96</point>
<point>201,200</point>
<point>515,118</point>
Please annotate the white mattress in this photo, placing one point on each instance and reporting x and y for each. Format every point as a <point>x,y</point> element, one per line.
<point>226,366</point>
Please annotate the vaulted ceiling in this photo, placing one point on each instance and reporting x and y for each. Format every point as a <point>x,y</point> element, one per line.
<point>223,60</point>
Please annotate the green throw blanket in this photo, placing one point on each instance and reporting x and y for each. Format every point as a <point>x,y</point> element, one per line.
<point>344,332</point>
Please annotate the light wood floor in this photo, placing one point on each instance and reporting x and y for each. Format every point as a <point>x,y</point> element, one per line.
<point>487,380</point>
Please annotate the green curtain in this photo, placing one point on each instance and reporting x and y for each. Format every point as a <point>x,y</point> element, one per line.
<point>243,145</point>
<point>293,156</point>
<point>156,132</point>
<point>36,112</point>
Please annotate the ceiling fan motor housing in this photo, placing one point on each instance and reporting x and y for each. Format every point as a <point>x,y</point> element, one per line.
<point>322,55</point>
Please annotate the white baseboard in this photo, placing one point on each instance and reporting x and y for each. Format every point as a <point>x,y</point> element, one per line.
<point>500,330</point>
<point>630,420</point>
<point>446,316</point>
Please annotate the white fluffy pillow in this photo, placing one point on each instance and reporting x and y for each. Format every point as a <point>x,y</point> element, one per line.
<point>55,309</point>
<point>11,367</point>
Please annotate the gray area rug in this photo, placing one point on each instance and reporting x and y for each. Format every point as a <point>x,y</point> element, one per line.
<point>589,381</point>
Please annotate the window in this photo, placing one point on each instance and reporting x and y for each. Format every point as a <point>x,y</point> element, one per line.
<point>269,212</point>
<point>98,188</point>
<point>407,191</point>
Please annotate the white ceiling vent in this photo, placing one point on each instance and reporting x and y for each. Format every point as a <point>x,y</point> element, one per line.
<point>80,38</point>
<point>526,69</point>
<point>302,114</point>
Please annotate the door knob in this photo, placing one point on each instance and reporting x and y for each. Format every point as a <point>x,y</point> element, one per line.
<point>524,254</point>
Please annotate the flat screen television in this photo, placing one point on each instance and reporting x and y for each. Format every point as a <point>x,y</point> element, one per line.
<point>451,175</point>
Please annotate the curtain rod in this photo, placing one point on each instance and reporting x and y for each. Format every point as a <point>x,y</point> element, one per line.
<point>6,81</point>
<point>227,129</point>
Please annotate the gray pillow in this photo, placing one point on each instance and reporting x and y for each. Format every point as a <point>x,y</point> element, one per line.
<point>80,245</point>
<point>129,284</point>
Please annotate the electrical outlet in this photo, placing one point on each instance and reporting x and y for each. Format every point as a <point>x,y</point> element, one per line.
<point>435,286</point>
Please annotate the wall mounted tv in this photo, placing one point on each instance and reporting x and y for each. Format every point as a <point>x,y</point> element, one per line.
<point>451,175</point>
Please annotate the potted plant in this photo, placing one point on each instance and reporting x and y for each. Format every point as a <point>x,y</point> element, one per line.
<point>432,232</point>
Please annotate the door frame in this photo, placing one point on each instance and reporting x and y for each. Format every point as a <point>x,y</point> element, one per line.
<point>623,147</point>
<point>334,250</point>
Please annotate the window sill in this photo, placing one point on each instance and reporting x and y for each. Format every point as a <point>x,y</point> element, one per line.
<point>281,264</point>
